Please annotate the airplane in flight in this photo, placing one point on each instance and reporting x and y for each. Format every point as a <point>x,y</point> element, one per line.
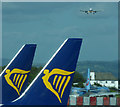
<point>13,79</point>
<point>90,11</point>
<point>52,85</point>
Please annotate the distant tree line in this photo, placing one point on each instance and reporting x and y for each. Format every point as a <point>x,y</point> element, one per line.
<point>78,78</point>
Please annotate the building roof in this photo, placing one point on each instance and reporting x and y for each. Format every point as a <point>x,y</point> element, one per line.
<point>104,76</point>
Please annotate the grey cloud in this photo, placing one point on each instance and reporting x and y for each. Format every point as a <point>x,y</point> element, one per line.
<point>49,24</point>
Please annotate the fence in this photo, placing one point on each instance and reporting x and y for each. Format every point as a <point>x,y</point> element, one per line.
<point>73,100</point>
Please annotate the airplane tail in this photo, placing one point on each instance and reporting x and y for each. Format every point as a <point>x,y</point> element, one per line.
<point>14,76</point>
<point>88,81</point>
<point>52,85</point>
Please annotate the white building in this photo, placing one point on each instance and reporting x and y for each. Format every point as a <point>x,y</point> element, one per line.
<point>104,79</point>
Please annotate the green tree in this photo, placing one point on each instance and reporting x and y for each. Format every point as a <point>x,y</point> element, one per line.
<point>78,78</point>
<point>3,67</point>
<point>33,73</point>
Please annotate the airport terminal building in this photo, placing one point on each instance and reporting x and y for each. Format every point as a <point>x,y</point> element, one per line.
<point>104,79</point>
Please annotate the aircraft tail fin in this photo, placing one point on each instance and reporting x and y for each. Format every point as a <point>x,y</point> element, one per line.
<point>14,76</point>
<point>52,85</point>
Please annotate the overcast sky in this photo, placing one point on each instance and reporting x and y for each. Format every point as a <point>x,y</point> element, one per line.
<point>49,24</point>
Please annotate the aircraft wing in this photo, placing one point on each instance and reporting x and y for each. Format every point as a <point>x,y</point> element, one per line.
<point>84,11</point>
<point>97,11</point>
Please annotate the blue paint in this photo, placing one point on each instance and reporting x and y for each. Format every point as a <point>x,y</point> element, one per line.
<point>23,61</point>
<point>65,59</point>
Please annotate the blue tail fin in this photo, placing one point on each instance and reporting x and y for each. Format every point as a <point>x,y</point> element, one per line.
<point>15,75</point>
<point>88,81</point>
<point>52,85</point>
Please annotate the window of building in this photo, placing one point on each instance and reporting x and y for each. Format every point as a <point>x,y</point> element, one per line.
<point>112,82</point>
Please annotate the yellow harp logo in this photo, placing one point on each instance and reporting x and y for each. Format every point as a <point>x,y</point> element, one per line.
<point>19,77</point>
<point>58,82</point>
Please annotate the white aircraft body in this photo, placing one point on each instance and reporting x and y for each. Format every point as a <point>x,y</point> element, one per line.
<point>90,11</point>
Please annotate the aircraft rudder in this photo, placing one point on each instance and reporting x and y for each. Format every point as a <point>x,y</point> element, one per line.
<point>55,79</point>
<point>15,75</point>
